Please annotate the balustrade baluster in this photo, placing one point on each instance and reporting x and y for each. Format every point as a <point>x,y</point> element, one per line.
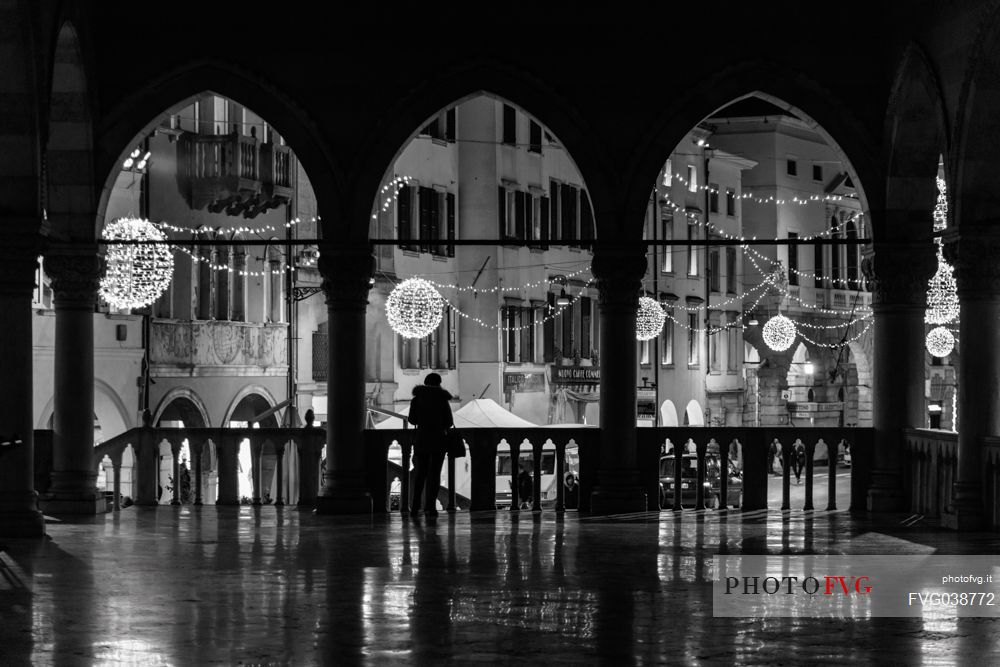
<point>515,467</point>
<point>699,493</point>
<point>279,464</point>
<point>831,467</point>
<point>786,476</point>
<point>256,453</point>
<point>810,452</point>
<point>406,446</point>
<point>536,492</point>
<point>116,468</point>
<point>197,452</point>
<point>560,476</point>
<point>678,474</point>
<point>175,450</point>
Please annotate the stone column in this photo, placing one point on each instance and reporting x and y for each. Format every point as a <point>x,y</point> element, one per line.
<point>347,272</point>
<point>279,481</point>
<point>619,275</point>
<point>175,452</point>
<point>898,274</point>
<point>75,273</point>
<point>974,254</point>
<point>19,515</point>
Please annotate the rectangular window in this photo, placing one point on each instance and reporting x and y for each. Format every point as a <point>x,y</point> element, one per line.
<point>527,352</point>
<point>536,217</point>
<point>566,320</point>
<point>427,205</point>
<point>667,340</point>
<point>509,319</point>
<point>568,210</point>
<point>520,209</point>
<point>792,167</point>
<point>668,174</point>
<point>713,269</point>
<point>692,339</point>
<point>692,249</point>
<point>554,211</point>
<point>585,320</point>
<point>644,352</point>
<point>730,270</point>
<point>793,260</point>
<point>511,231</point>
<point>730,201</point>
<point>817,172</point>
<point>534,137</point>
<point>692,178</point>
<point>509,125</point>
<point>668,250</point>
<point>713,197</point>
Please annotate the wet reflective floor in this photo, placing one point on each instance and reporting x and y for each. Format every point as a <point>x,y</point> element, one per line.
<point>184,586</point>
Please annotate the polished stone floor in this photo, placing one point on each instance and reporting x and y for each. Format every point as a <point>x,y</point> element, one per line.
<point>192,586</point>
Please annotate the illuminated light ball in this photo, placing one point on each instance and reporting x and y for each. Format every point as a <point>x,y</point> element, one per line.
<point>136,275</point>
<point>779,333</point>
<point>414,308</point>
<point>942,294</point>
<point>940,342</point>
<point>649,320</point>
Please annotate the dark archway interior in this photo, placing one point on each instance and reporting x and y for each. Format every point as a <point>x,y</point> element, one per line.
<point>183,410</point>
<point>249,407</point>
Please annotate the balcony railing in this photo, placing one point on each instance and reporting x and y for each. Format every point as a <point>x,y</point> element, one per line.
<point>933,467</point>
<point>218,448</point>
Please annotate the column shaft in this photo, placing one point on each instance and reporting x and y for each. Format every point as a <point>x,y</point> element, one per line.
<point>74,273</point>
<point>346,276</point>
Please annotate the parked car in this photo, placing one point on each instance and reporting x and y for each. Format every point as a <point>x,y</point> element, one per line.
<point>689,481</point>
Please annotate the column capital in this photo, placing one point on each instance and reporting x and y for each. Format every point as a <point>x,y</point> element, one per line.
<point>347,272</point>
<point>898,273</point>
<point>619,273</point>
<point>973,253</point>
<point>18,262</point>
<point>76,275</point>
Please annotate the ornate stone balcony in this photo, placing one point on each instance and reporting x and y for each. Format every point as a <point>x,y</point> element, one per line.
<point>200,347</point>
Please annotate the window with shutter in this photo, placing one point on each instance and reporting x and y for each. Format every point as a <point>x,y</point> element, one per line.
<point>731,270</point>
<point>519,227</point>
<point>543,210</point>
<point>404,223</point>
<point>502,212</point>
<point>510,321</point>
<point>554,220</point>
<point>793,260</point>
<point>713,197</point>
<point>534,137</point>
<point>567,330</point>
<point>527,338</point>
<point>818,265</point>
<point>434,221</point>
<point>424,196</point>
<point>587,231</point>
<point>585,348</point>
<point>450,202</point>
<point>568,206</point>
<point>549,329</point>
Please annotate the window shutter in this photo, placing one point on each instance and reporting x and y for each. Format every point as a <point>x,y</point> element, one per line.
<point>555,232</point>
<point>586,218</point>
<point>529,222</point>
<point>519,221</point>
<point>567,330</point>
<point>525,324</point>
<point>434,223</point>
<point>449,125</point>
<point>549,330</point>
<point>544,209</point>
<point>585,326</point>
<point>425,195</point>
<point>502,212</point>
<point>568,213</point>
<point>450,197</point>
<point>403,214</point>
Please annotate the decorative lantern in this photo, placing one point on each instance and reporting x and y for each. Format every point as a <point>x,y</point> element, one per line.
<point>779,333</point>
<point>940,342</point>
<point>137,274</point>
<point>942,293</point>
<point>649,320</point>
<point>414,308</point>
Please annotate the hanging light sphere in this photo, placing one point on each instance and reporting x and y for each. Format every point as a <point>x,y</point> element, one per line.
<point>649,320</point>
<point>942,294</point>
<point>414,308</point>
<point>136,275</point>
<point>940,342</point>
<point>779,333</point>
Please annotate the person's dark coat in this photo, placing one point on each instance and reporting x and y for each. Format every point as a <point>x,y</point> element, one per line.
<point>430,412</point>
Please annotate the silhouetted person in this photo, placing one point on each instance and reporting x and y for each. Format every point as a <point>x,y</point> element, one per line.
<point>431,414</point>
<point>798,460</point>
<point>572,491</point>
<point>524,485</point>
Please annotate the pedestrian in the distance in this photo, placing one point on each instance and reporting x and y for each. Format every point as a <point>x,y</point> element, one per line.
<point>430,412</point>
<point>798,460</point>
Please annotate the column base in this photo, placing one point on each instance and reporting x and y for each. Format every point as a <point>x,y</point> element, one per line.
<point>20,517</point>
<point>966,512</point>
<point>618,492</point>
<point>56,504</point>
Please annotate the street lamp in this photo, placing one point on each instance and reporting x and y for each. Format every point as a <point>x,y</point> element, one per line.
<point>563,299</point>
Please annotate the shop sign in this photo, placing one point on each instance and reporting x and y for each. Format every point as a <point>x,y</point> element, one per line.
<point>523,381</point>
<point>576,374</point>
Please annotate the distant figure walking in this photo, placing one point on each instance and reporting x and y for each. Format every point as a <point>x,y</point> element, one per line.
<point>524,485</point>
<point>798,460</point>
<point>774,454</point>
<point>430,412</point>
